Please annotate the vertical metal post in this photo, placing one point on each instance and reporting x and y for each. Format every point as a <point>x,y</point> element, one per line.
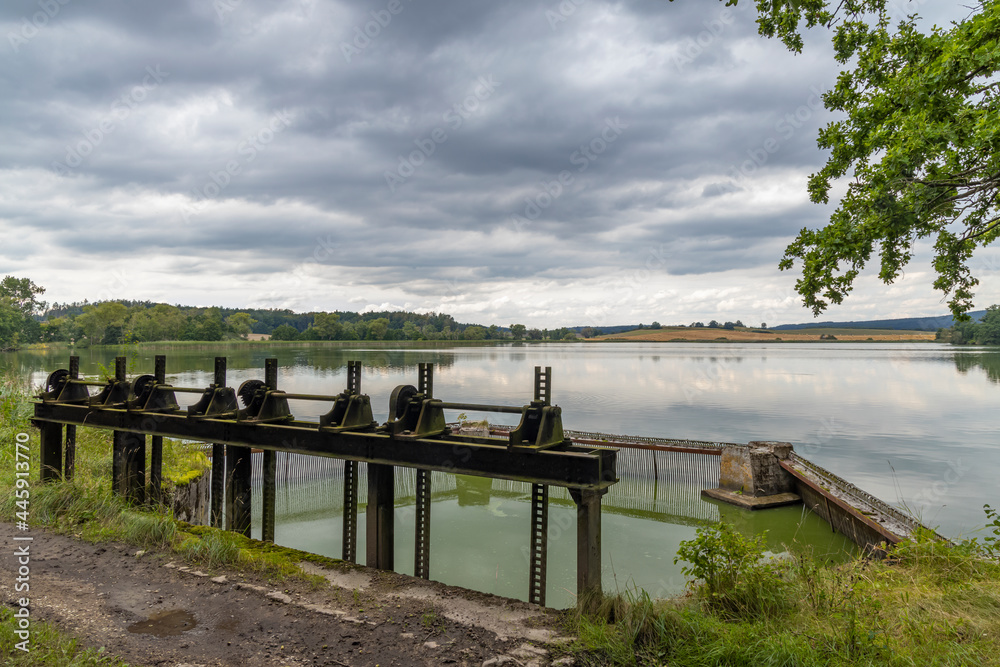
<point>134,457</point>
<point>156,442</point>
<point>269,469</point>
<point>425,383</point>
<point>422,532</point>
<point>588,540</point>
<point>543,384</point>
<point>380,531</point>
<point>238,471</point>
<point>118,442</point>
<point>354,377</point>
<point>51,450</point>
<point>70,463</point>
<point>539,543</point>
<point>350,539</point>
<point>219,460</point>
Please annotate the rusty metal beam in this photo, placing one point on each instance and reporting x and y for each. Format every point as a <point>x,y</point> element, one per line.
<point>156,442</point>
<point>380,531</point>
<point>51,451</point>
<point>579,467</point>
<point>588,540</point>
<point>268,465</point>
<point>218,499</point>
<point>70,461</point>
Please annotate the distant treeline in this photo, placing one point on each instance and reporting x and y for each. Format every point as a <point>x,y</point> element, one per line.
<point>113,322</point>
<point>984,332</point>
<point>25,319</point>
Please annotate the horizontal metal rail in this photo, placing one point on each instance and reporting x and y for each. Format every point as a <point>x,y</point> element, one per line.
<point>570,466</point>
<point>184,390</point>
<point>477,407</point>
<point>305,397</point>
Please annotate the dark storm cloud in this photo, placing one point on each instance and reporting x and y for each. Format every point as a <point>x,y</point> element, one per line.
<point>378,137</point>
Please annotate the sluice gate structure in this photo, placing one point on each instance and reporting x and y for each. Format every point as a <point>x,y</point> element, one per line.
<point>763,474</point>
<point>415,435</point>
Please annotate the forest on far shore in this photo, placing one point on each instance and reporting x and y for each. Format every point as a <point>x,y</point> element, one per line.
<point>25,319</point>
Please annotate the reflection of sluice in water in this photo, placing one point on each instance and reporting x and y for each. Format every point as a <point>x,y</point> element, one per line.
<point>655,485</point>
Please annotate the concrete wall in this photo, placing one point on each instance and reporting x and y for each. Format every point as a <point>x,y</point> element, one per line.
<point>753,469</point>
<point>190,502</point>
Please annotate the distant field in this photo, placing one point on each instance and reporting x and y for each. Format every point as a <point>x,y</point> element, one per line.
<point>667,334</point>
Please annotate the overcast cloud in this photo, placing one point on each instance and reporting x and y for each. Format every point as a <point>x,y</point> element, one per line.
<point>549,163</point>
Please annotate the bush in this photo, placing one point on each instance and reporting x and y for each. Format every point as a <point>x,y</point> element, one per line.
<point>285,332</point>
<point>737,579</point>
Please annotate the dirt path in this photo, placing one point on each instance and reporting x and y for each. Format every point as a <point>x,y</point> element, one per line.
<point>363,617</point>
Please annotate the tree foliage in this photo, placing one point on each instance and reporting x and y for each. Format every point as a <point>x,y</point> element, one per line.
<point>285,332</point>
<point>919,145</point>
<point>18,305</point>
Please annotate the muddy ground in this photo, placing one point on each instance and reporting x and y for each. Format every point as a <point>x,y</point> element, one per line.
<point>97,592</point>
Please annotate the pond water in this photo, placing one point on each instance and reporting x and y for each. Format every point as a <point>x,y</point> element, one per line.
<point>914,424</point>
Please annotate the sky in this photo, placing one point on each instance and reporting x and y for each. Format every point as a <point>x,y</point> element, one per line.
<point>546,163</point>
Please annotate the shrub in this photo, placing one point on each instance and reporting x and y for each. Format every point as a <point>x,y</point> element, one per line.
<point>737,579</point>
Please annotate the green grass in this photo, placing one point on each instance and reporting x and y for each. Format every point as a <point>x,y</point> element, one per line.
<point>927,604</point>
<point>48,647</point>
<point>85,507</point>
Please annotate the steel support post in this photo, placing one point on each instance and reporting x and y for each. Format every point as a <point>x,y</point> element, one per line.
<point>588,540</point>
<point>51,450</point>
<point>350,537</point>
<point>268,467</point>
<point>422,531</point>
<point>238,471</point>
<point>118,442</point>
<point>156,442</point>
<point>219,461</point>
<point>379,533</point>
<point>69,465</point>
<point>134,467</point>
<point>539,543</point>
